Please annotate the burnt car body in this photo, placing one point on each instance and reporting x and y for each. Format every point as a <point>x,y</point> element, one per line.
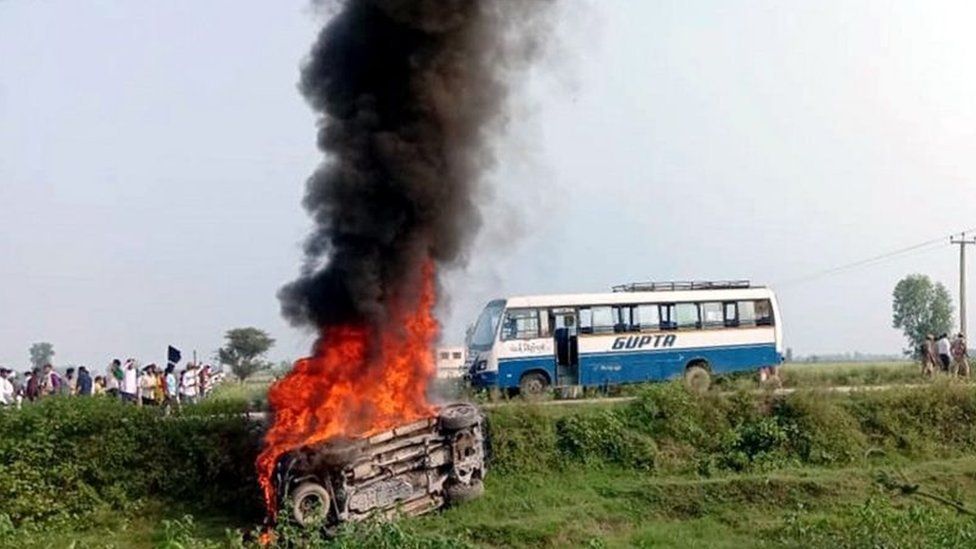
<point>410,469</point>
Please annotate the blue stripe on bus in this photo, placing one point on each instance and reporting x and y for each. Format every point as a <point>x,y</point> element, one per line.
<point>597,368</point>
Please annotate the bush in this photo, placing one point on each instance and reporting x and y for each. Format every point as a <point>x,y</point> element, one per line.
<point>67,457</point>
<point>604,438</point>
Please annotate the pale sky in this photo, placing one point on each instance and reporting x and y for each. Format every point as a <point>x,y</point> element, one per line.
<point>153,157</point>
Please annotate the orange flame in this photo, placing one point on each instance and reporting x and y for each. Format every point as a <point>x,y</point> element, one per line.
<point>362,380</point>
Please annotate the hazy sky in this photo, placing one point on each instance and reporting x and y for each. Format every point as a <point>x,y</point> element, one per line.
<point>153,156</point>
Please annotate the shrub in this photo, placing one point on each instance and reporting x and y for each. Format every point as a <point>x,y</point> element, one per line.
<point>66,457</point>
<point>604,438</point>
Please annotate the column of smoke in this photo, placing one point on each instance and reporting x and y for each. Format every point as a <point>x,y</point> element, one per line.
<point>410,93</point>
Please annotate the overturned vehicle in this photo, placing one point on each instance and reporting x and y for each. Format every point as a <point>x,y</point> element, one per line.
<point>411,469</point>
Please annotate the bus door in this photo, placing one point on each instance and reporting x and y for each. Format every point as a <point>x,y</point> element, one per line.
<point>565,333</point>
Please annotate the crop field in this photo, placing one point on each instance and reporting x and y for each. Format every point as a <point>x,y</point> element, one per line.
<point>893,468</point>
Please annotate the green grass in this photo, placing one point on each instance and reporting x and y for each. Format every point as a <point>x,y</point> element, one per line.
<point>850,374</point>
<point>623,508</point>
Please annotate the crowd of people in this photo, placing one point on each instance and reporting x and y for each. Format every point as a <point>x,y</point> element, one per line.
<point>944,355</point>
<point>148,385</point>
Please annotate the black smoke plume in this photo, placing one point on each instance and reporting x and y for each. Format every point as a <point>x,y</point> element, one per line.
<point>410,93</point>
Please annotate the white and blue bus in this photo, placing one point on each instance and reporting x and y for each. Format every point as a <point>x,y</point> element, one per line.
<point>639,332</point>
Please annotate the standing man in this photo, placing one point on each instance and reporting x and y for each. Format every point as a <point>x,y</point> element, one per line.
<point>113,378</point>
<point>960,356</point>
<point>7,397</point>
<point>130,382</point>
<point>172,388</point>
<point>84,385</point>
<point>191,383</point>
<point>70,385</point>
<point>944,349</point>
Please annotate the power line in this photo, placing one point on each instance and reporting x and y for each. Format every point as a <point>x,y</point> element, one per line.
<point>899,253</point>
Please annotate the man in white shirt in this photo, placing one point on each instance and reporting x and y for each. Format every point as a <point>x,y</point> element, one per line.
<point>190,383</point>
<point>130,382</point>
<point>7,397</point>
<point>943,347</point>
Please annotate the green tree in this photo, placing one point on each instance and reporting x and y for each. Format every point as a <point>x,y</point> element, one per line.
<point>244,351</point>
<point>919,308</point>
<point>41,354</point>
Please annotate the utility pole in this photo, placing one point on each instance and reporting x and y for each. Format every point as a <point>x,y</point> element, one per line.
<point>962,241</point>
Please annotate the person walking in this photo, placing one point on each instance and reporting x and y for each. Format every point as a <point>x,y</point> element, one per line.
<point>945,357</point>
<point>84,384</point>
<point>960,356</point>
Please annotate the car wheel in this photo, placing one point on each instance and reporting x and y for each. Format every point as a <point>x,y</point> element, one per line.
<point>533,385</point>
<point>455,417</point>
<point>310,504</point>
<point>460,493</point>
<point>697,378</point>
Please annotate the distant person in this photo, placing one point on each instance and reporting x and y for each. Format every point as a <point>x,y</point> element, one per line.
<point>147,386</point>
<point>98,387</point>
<point>930,357</point>
<point>190,384</point>
<point>32,387</point>
<point>960,356</point>
<point>944,349</point>
<point>8,396</point>
<point>130,382</point>
<point>51,382</point>
<point>205,381</point>
<point>84,385</point>
<point>172,387</point>
<point>113,377</point>
<point>70,385</point>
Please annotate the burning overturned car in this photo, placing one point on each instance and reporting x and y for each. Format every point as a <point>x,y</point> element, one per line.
<point>410,469</point>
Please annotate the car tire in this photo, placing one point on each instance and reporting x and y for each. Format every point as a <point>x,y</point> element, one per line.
<point>533,385</point>
<point>460,493</point>
<point>311,504</point>
<point>455,417</point>
<point>697,378</point>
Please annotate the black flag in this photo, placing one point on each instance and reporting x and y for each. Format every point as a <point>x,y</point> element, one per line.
<point>173,355</point>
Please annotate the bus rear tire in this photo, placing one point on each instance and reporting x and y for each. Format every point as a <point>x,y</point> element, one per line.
<point>533,385</point>
<point>697,377</point>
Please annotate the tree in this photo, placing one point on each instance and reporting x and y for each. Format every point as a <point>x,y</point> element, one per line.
<point>41,354</point>
<point>244,351</point>
<point>920,308</point>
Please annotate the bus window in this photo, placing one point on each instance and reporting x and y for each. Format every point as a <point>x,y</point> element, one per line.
<point>623,318</point>
<point>668,317</point>
<point>564,317</point>
<point>712,316</point>
<point>647,318</point>
<point>731,314</point>
<point>602,320</point>
<point>764,313</point>
<point>585,320</point>
<point>520,324</point>
<point>687,316</point>
<point>747,313</point>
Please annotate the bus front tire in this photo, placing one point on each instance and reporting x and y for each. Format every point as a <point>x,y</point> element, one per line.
<point>533,385</point>
<point>697,378</point>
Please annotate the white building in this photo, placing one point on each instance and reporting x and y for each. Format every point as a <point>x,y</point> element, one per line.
<point>450,362</point>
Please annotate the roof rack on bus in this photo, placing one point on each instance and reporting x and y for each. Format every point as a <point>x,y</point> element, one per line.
<point>674,286</point>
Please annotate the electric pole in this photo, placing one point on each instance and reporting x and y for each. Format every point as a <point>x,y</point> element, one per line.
<point>962,241</point>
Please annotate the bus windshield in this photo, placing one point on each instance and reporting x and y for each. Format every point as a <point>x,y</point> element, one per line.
<point>487,326</point>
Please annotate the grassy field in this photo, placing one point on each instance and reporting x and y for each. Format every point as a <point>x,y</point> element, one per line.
<point>671,469</point>
<point>611,507</point>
